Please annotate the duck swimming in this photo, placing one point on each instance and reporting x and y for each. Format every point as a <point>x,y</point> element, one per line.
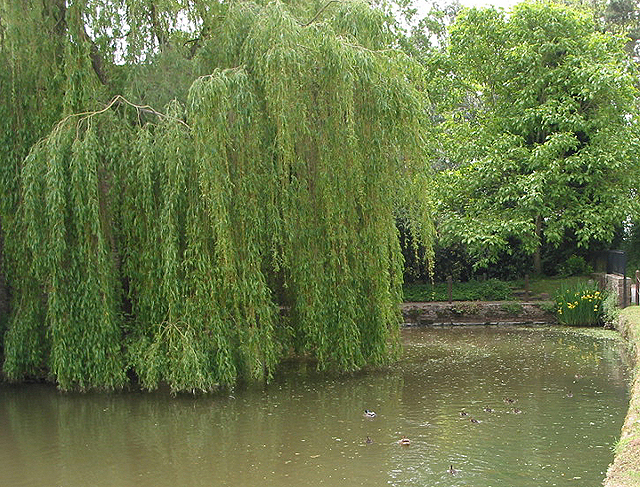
<point>488,409</point>
<point>509,400</point>
<point>452,470</point>
<point>404,441</point>
<point>463,413</point>
<point>369,414</point>
<point>369,440</point>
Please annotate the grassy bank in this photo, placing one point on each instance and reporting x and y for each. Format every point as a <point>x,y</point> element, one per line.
<point>625,469</point>
<point>489,290</point>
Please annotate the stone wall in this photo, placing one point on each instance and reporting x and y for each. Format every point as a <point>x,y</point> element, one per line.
<point>477,313</point>
<point>618,285</point>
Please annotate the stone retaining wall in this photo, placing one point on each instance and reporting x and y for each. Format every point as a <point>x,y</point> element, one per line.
<point>477,313</point>
<point>618,285</point>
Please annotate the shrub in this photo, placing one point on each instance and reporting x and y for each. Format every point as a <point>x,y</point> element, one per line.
<point>574,266</point>
<point>491,290</point>
<point>494,290</point>
<point>580,305</point>
<point>610,310</point>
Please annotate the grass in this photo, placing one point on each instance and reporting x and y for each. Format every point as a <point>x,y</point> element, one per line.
<point>632,313</point>
<point>490,290</point>
<point>625,469</point>
<point>551,285</point>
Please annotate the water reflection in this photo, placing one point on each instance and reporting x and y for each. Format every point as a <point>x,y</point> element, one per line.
<point>309,429</point>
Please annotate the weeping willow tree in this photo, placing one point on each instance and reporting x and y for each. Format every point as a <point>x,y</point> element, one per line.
<point>253,221</point>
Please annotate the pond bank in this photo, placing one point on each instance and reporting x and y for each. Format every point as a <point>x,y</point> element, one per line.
<point>477,313</point>
<point>625,469</point>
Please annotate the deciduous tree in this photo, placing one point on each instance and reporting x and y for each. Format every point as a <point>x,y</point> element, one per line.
<point>554,147</point>
<point>254,220</point>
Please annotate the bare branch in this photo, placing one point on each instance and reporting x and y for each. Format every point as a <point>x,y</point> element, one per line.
<point>120,100</point>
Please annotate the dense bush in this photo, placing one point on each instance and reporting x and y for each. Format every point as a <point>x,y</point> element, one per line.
<point>575,265</point>
<point>490,290</point>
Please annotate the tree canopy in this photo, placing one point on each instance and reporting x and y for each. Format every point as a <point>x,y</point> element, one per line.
<point>555,136</point>
<point>251,220</point>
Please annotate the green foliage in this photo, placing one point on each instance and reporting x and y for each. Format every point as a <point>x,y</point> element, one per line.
<point>574,266</point>
<point>551,285</point>
<point>171,245</point>
<point>580,305</point>
<point>512,307</point>
<point>555,134</point>
<point>489,290</point>
<point>610,310</point>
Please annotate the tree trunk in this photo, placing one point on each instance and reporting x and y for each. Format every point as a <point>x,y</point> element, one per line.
<point>537,259</point>
<point>4,291</point>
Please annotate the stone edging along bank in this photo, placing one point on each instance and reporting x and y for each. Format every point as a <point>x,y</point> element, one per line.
<point>477,313</point>
<point>625,469</point>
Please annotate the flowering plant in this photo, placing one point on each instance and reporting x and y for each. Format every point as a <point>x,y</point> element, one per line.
<point>580,305</point>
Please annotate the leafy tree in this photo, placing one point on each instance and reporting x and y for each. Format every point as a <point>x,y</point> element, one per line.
<point>616,16</point>
<point>554,141</point>
<point>254,220</point>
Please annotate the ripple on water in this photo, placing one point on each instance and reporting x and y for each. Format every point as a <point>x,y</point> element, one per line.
<point>306,429</point>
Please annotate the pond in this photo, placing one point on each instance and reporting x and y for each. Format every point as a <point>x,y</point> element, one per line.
<point>549,405</point>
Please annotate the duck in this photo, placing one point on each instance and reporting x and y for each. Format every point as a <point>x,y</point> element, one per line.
<point>474,420</point>
<point>463,413</point>
<point>516,411</point>
<point>569,394</point>
<point>368,441</point>
<point>488,409</point>
<point>452,470</point>
<point>509,400</point>
<point>369,414</point>
<point>404,441</point>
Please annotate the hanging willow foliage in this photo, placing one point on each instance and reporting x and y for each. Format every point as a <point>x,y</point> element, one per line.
<point>198,253</point>
<point>66,226</point>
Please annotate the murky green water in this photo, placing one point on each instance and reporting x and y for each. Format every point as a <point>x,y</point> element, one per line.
<point>306,429</point>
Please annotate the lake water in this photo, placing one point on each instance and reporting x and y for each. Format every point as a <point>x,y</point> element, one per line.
<point>308,429</point>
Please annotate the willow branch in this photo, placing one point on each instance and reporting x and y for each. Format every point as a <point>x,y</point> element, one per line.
<point>322,9</point>
<point>120,100</point>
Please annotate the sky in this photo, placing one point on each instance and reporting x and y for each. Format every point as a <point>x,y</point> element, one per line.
<point>506,4</point>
